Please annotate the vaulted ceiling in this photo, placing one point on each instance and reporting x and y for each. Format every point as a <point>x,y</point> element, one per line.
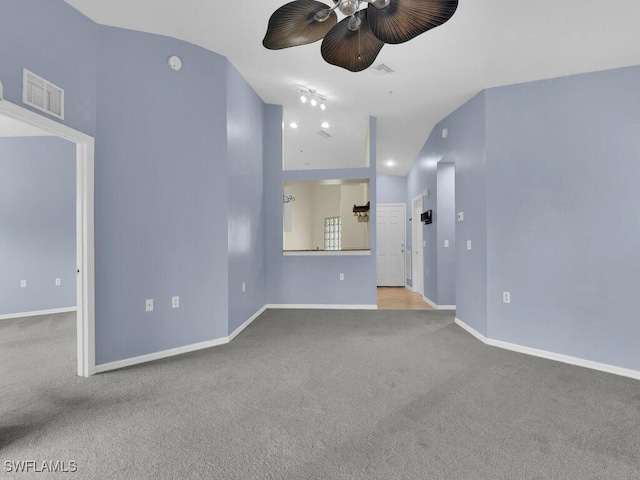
<point>487,43</point>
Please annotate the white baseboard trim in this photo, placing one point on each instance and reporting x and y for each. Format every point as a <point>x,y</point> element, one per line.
<point>239,330</point>
<point>558,357</point>
<point>38,313</point>
<point>128,362</point>
<point>438,307</point>
<point>410,288</point>
<point>308,306</point>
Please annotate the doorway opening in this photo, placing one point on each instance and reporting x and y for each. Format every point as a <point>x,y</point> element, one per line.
<point>391,260</point>
<point>85,288</point>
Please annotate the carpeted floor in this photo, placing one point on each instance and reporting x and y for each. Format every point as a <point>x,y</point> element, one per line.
<point>316,395</point>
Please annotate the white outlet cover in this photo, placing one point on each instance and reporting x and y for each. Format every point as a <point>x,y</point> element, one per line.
<point>342,276</point>
<point>468,244</point>
<point>506,297</point>
<point>149,305</point>
<point>424,243</point>
<point>175,302</point>
<point>446,244</point>
<point>58,282</point>
<point>23,283</point>
<point>244,287</point>
<point>461,216</point>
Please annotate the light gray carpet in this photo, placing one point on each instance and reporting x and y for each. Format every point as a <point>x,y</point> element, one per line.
<point>317,395</point>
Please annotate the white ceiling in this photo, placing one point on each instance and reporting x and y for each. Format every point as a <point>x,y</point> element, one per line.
<point>487,43</point>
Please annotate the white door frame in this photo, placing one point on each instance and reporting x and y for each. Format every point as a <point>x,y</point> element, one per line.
<point>416,234</point>
<point>84,227</point>
<point>404,234</point>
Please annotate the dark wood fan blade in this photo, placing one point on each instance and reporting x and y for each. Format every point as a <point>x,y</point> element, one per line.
<point>354,51</point>
<point>293,24</point>
<point>403,20</point>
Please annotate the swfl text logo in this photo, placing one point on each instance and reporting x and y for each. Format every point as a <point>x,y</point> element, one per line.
<point>27,466</point>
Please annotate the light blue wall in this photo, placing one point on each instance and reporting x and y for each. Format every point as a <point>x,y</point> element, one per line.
<point>247,264</point>
<point>422,176</point>
<point>467,150</point>
<point>37,224</point>
<point>312,280</point>
<point>56,42</point>
<point>391,189</point>
<point>161,195</point>
<point>464,147</point>
<point>563,203</point>
<point>446,230</point>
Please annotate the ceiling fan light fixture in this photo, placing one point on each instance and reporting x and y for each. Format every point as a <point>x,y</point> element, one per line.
<point>314,102</point>
<point>354,23</point>
<point>379,4</point>
<point>323,15</point>
<point>348,7</point>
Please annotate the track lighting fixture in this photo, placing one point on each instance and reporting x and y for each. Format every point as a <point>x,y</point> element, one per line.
<point>313,97</point>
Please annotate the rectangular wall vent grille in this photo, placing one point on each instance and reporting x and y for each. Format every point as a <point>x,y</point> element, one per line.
<point>42,94</point>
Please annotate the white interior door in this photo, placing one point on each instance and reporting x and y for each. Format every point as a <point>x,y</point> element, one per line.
<point>391,233</point>
<point>417,260</point>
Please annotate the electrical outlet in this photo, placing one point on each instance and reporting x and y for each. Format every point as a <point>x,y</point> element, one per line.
<point>58,282</point>
<point>506,297</point>
<point>468,244</point>
<point>23,284</point>
<point>341,276</point>
<point>149,305</point>
<point>424,243</point>
<point>175,302</point>
<point>446,244</point>
<point>461,216</point>
<point>244,287</point>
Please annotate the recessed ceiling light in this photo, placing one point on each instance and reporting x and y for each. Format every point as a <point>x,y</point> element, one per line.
<point>325,124</point>
<point>390,163</point>
<point>303,98</point>
<point>293,125</point>
<point>323,107</point>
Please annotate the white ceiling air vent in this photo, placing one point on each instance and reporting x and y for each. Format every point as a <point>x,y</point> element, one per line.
<point>324,134</point>
<point>381,69</point>
<point>41,94</point>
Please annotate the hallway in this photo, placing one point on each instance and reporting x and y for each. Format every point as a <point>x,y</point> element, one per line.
<point>400,298</point>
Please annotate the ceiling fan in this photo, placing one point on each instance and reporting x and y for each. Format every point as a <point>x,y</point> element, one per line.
<point>354,43</point>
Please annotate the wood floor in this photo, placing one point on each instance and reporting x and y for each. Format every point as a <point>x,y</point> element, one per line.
<point>400,298</point>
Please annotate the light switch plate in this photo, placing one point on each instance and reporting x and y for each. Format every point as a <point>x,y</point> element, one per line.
<point>149,305</point>
<point>446,244</point>
<point>468,244</point>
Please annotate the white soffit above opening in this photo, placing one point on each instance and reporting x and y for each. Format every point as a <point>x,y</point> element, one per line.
<point>10,127</point>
